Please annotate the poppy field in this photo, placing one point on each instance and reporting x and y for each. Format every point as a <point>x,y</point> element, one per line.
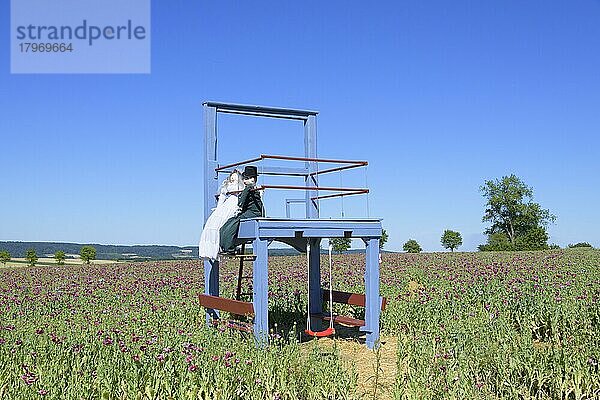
<point>468,325</point>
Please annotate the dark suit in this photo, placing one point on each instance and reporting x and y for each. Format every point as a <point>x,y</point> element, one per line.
<point>251,205</point>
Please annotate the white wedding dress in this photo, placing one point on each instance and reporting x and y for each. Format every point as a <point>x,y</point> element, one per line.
<point>227,207</point>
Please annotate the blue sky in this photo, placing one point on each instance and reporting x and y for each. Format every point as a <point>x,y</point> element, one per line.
<point>438,96</point>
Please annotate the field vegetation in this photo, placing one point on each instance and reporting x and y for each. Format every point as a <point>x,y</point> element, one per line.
<point>465,325</point>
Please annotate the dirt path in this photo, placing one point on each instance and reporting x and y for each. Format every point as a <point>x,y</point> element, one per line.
<point>364,362</point>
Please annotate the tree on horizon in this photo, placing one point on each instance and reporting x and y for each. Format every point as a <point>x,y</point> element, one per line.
<point>340,244</point>
<point>87,254</point>
<point>451,239</point>
<point>517,222</point>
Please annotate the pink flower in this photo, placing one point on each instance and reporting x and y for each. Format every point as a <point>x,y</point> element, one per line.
<point>29,378</point>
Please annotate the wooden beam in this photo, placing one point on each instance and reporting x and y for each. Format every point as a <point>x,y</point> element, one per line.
<point>232,306</point>
<point>353,299</point>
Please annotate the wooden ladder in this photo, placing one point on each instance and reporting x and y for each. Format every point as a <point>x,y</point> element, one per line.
<point>241,277</point>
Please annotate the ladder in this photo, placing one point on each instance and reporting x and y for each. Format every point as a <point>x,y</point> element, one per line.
<point>241,277</point>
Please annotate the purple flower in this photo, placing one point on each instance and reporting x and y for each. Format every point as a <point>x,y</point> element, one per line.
<point>29,378</point>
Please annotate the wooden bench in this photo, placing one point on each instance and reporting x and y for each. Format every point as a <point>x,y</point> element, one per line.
<point>232,306</point>
<point>353,299</point>
<point>235,307</point>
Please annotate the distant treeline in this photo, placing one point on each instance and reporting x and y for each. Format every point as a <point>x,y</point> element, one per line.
<point>119,252</point>
<point>103,251</point>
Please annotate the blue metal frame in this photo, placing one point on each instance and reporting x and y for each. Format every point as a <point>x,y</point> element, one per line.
<point>288,202</point>
<point>296,232</point>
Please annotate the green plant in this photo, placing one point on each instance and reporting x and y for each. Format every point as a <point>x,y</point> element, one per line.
<point>498,326</point>
<point>4,257</point>
<point>535,238</point>
<point>512,212</point>
<point>340,244</point>
<point>384,238</point>
<point>132,332</point>
<point>31,257</point>
<point>87,254</point>
<point>377,370</point>
<point>59,256</point>
<point>497,242</point>
<point>412,246</point>
<point>451,239</point>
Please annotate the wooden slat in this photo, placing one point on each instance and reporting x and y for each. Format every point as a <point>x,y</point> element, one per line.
<point>340,319</point>
<point>238,325</point>
<point>353,299</point>
<point>232,306</point>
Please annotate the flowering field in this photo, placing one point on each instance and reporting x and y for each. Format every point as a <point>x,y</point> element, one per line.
<point>468,325</point>
<point>496,325</point>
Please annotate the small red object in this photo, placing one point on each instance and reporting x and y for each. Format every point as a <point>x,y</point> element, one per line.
<point>327,332</point>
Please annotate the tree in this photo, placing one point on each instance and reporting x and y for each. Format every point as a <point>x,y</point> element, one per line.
<point>4,257</point>
<point>535,239</point>
<point>497,242</point>
<point>580,244</point>
<point>411,246</point>
<point>384,238</point>
<point>87,254</point>
<point>340,244</point>
<point>31,257</point>
<point>59,256</point>
<point>451,239</point>
<point>512,212</point>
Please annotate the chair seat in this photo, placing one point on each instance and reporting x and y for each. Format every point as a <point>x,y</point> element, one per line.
<point>341,319</point>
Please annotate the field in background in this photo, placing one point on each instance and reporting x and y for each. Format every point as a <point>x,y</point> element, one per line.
<point>48,261</point>
<point>462,325</point>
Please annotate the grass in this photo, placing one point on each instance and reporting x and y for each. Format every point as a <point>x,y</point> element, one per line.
<point>463,325</point>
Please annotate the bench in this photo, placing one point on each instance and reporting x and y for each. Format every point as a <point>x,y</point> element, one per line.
<point>235,307</point>
<point>353,299</point>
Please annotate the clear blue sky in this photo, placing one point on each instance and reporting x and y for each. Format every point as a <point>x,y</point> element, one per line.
<point>438,96</point>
